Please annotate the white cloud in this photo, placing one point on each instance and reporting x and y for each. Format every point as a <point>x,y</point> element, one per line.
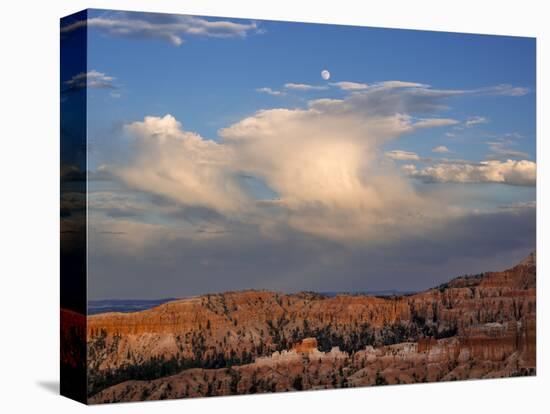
<point>498,90</point>
<point>350,86</point>
<point>441,149</point>
<point>403,155</point>
<point>503,149</point>
<point>180,165</point>
<point>389,102</point>
<point>475,120</point>
<point>168,27</point>
<point>510,172</point>
<point>323,163</point>
<point>513,135</point>
<point>90,79</point>
<point>401,84</point>
<point>450,134</point>
<point>435,122</point>
<point>411,95</point>
<point>503,90</point>
<point>270,91</point>
<point>304,87</point>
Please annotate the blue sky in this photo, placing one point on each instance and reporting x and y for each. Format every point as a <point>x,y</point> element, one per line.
<point>454,138</point>
<point>192,75</point>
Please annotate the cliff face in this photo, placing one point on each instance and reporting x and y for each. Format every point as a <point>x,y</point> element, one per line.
<point>73,369</point>
<point>471,327</point>
<point>254,309</point>
<point>73,337</point>
<point>493,351</point>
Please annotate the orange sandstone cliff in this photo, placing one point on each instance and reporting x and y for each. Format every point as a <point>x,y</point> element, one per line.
<point>480,326</point>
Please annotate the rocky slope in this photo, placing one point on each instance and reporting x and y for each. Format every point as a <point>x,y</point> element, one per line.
<point>73,355</point>
<point>258,341</point>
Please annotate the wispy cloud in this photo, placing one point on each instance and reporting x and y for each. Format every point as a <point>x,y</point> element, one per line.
<point>513,135</point>
<point>400,84</point>
<point>169,27</point>
<point>502,148</point>
<point>91,79</point>
<point>391,84</point>
<point>305,87</point>
<point>475,120</point>
<point>350,86</point>
<point>441,149</point>
<point>435,122</point>
<point>499,90</point>
<point>416,93</point>
<point>270,91</point>
<point>403,155</point>
<point>503,90</point>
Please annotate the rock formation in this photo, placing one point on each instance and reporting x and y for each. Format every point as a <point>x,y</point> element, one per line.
<point>480,326</point>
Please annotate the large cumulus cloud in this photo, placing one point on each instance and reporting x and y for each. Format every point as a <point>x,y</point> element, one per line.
<point>322,162</point>
<point>181,165</point>
<point>338,204</point>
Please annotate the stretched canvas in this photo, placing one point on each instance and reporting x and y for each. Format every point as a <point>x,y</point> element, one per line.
<point>263,206</point>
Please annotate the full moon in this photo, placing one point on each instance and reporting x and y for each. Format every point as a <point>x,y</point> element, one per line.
<point>325,74</point>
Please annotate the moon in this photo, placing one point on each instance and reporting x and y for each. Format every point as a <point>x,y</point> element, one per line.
<point>325,74</point>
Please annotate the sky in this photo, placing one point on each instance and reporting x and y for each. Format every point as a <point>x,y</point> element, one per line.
<point>220,159</point>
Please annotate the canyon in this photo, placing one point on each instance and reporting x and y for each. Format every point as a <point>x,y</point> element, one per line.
<point>477,326</point>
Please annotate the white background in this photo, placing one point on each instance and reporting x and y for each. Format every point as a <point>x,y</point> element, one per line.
<point>29,159</point>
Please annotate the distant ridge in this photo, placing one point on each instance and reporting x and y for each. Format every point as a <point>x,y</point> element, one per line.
<point>124,305</point>
<point>387,292</point>
<point>96,307</point>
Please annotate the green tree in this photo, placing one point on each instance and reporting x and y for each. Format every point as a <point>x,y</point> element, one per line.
<point>380,380</point>
<point>297,384</point>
